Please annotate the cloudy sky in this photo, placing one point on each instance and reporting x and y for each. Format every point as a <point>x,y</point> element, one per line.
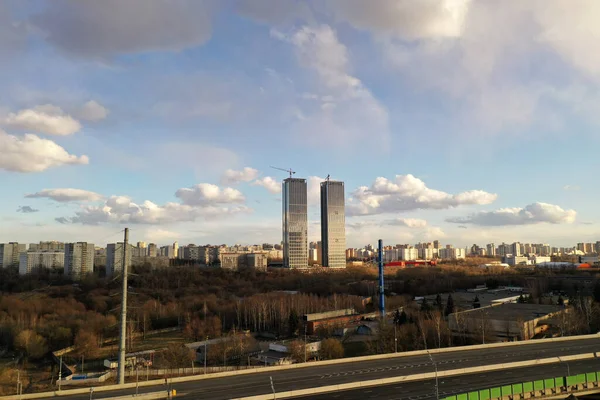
<point>467,121</point>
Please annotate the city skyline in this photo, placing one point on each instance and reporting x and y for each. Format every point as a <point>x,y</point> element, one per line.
<point>167,131</point>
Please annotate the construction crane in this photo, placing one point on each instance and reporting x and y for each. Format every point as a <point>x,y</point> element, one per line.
<point>327,179</point>
<point>289,171</point>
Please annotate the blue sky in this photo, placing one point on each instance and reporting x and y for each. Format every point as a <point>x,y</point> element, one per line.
<point>467,121</point>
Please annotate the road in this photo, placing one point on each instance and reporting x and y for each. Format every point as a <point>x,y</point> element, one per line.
<point>424,390</point>
<point>293,379</point>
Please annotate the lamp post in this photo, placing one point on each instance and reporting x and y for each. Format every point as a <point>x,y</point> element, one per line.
<point>205,343</point>
<point>437,388</point>
<point>395,339</point>
<point>567,364</point>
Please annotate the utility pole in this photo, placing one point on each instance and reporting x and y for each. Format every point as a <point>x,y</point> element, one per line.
<point>123,328</point>
<point>381,286</point>
<point>305,341</point>
<point>59,373</point>
<point>205,343</point>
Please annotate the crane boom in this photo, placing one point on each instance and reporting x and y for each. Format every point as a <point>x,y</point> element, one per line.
<point>289,171</point>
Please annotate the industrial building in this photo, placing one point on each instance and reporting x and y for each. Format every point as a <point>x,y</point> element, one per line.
<point>505,322</point>
<point>333,224</point>
<point>295,223</point>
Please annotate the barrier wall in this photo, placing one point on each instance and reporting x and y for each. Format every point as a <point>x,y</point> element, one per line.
<point>538,388</point>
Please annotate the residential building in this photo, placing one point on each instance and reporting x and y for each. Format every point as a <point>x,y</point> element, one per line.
<point>491,249</point>
<point>79,259</point>
<point>409,254</point>
<point>175,250</point>
<point>47,246</point>
<point>141,245</point>
<point>9,254</point>
<point>31,260</point>
<point>236,261</point>
<point>333,224</point>
<point>114,258</point>
<point>516,249</point>
<point>452,253</point>
<point>295,223</point>
<point>312,255</point>
<point>152,250</point>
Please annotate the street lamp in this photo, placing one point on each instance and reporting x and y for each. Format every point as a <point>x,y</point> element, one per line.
<point>437,388</point>
<point>567,364</point>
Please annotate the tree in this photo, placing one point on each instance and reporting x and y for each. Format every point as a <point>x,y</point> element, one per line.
<point>32,344</point>
<point>86,344</point>
<point>331,349</point>
<point>476,302</point>
<point>177,355</point>
<point>293,322</point>
<point>297,350</point>
<point>561,301</point>
<point>597,291</point>
<point>438,303</point>
<point>425,306</point>
<point>521,299</point>
<point>449,305</point>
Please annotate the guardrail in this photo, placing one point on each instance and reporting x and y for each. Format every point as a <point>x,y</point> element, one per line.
<point>538,388</point>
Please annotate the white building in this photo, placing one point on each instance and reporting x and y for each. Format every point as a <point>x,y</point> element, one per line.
<point>79,259</point>
<point>426,254</point>
<point>114,258</point>
<point>31,260</point>
<point>9,254</point>
<point>409,254</point>
<point>453,253</point>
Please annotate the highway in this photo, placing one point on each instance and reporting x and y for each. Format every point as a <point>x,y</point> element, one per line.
<point>424,390</point>
<point>323,375</point>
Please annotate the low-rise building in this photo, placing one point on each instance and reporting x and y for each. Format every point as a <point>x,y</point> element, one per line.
<point>505,322</point>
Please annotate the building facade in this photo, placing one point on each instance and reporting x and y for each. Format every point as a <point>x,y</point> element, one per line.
<point>79,259</point>
<point>114,258</point>
<point>333,224</point>
<point>295,223</point>
<point>31,260</point>
<point>10,253</point>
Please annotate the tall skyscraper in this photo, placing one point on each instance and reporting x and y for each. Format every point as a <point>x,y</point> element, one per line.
<point>295,223</point>
<point>79,259</point>
<point>333,224</point>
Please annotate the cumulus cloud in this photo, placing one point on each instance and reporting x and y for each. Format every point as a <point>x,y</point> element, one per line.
<point>64,195</point>
<point>26,209</point>
<point>269,183</point>
<point>122,209</point>
<point>204,200</point>
<point>31,153</point>
<point>405,18</point>
<point>208,194</point>
<point>408,222</point>
<point>535,213</point>
<point>47,119</point>
<point>342,109</point>
<point>92,111</point>
<point>233,177</point>
<point>101,29</point>
<point>407,192</point>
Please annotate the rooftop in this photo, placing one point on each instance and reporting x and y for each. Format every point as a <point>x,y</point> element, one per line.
<point>512,311</point>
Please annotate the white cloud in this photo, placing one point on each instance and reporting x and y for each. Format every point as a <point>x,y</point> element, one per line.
<point>408,222</point>
<point>158,235</point>
<point>407,192</point>
<point>233,177</point>
<point>111,27</point>
<point>92,111</point>
<point>27,209</point>
<point>532,214</point>
<point>47,119</point>
<point>64,195</point>
<point>269,183</point>
<point>405,18</point>
<point>343,110</point>
<point>31,153</point>
<point>209,194</point>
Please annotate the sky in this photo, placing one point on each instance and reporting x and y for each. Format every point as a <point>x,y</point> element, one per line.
<point>465,121</point>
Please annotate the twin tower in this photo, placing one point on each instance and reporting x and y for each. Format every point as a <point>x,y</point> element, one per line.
<point>295,224</point>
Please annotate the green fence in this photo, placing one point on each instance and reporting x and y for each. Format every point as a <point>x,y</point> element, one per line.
<point>527,387</point>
